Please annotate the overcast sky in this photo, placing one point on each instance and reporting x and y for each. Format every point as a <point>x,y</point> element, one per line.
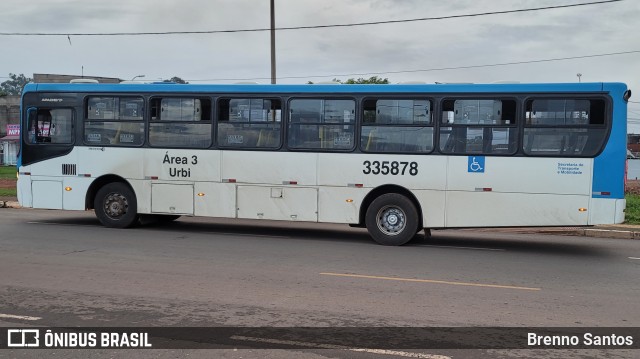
<point>395,51</point>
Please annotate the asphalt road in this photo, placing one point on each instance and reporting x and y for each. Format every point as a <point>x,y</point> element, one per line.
<point>64,269</point>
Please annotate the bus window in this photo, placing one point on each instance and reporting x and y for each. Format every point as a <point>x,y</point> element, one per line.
<point>115,108</point>
<point>51,126</point>
<point>564,127</point>
<point>180,122</point>
<point>249,123</point>
<point>321,124</point>
<point>395,125</point>
<point>478,126</point>
<point>114,121</point>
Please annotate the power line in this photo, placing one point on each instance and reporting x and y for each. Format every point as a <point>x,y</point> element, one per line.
<point>303,27</point>
<point>432,69</point>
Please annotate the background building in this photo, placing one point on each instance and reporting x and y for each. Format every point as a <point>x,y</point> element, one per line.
<point>9,112</point>
<point>9,119</point>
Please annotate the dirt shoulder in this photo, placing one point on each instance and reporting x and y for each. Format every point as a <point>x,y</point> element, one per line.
<point>633,187</point>
<point>7,183</point>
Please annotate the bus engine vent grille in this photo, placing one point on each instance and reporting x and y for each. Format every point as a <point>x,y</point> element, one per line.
<point>68,169</point>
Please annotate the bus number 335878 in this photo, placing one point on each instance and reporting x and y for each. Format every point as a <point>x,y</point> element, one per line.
<point>393,168</point>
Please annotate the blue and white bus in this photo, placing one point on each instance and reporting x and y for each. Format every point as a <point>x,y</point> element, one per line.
<point>392,158</point>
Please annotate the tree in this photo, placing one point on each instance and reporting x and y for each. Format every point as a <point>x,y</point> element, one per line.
<point>370,80</point>
<point>14,85</point>
<point>359,81</point>
<point>177,80</point>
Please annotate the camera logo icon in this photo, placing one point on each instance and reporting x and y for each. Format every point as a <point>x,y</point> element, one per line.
<point>23,338</point>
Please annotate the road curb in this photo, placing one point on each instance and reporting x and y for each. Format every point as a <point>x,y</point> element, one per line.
<point>611,233</point>
<point>588,232</point>
<point>9,204</point>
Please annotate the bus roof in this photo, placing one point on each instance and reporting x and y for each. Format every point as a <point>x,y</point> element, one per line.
<point>337,89</point>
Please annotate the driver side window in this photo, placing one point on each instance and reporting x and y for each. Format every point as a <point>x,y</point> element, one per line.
<point>51,126</point>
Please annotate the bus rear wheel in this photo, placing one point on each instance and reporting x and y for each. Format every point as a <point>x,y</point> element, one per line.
<point>392,219</point>
<point>116,206</point>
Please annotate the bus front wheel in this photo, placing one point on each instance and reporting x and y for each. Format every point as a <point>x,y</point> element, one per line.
<point>392,219</point>
<point>116,205</point>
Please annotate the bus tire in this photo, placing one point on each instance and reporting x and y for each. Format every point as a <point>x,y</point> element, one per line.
<point>392,219</point>
<point>116,206</point>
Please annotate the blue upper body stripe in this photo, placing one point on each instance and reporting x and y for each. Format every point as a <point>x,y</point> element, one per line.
<point>337,89</point>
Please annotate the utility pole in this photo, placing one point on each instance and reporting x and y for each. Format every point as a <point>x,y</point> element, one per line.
<point>273,43</point>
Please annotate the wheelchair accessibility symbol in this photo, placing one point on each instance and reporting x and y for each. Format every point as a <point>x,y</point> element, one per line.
<point>475,164</point>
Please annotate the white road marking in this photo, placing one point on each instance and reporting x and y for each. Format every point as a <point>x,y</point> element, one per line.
<point>340,347</point>
<point>634,258</point>
<point>21,317</point>
<point>401,353</point>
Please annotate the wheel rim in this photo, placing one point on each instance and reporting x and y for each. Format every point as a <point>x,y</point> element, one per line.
<point>391,220</point>
<point>115,205</point>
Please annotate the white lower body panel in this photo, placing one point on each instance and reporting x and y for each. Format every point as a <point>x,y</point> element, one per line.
<point>491,209</point>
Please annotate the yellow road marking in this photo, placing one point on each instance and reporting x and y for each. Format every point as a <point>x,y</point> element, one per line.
<point>430,281</point>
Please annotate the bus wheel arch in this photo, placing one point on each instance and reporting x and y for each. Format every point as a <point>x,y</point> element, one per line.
<point>385,198</point>
<point>97,184</point>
